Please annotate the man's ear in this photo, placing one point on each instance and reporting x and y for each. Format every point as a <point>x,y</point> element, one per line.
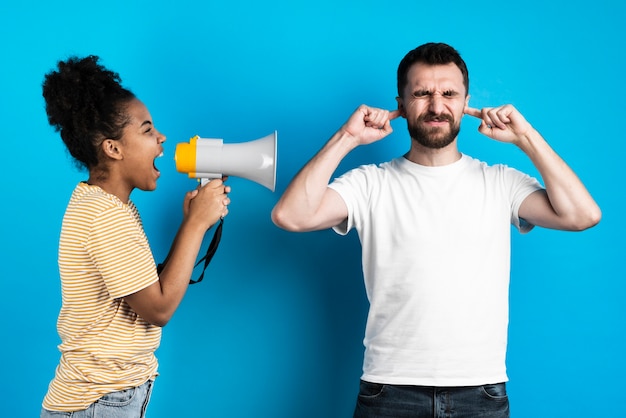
<point>467,99</point>
<point>112,149</point>
<point>401,107</point>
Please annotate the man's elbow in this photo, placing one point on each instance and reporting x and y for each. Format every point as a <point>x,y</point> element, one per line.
<point>281,219</point>
<point>593,218</point>
<point>586,220</point>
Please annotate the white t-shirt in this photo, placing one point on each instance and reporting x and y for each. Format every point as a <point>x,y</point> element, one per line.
<point>436,264</point>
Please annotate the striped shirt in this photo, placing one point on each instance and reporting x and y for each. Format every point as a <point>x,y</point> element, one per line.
<point>104,255</point>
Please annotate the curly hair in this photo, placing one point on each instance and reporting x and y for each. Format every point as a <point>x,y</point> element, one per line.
<point>86,103</point>
<point>431,54</point>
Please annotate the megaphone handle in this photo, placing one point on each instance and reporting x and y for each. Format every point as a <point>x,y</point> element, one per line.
<point>217,236</point>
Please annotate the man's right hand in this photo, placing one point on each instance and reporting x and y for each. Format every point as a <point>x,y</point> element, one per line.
<point>369,124</point>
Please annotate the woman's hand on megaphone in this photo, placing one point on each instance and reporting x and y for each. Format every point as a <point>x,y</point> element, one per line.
<point>207,204</point>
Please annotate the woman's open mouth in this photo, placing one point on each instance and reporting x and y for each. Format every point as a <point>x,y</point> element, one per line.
<point>154,163</point>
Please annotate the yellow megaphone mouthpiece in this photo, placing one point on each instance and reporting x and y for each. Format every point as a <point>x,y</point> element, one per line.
<point>185,156</point>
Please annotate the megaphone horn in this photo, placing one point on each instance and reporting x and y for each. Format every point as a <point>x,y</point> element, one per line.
<point>210,158</point>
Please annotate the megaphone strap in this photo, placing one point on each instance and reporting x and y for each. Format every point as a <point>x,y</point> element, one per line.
<point>210,252</point>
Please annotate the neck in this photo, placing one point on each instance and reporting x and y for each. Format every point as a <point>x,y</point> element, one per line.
<point>111,187</point>
<point>432,157</point>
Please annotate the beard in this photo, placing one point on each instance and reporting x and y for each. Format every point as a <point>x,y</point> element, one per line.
<point>433,137</point>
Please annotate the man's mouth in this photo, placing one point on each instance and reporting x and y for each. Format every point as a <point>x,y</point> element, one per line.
<point>437,118</point>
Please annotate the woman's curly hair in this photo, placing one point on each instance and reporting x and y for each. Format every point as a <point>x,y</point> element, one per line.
<point>86,103</point>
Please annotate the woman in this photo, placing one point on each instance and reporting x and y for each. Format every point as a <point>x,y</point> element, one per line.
<point>114,300</point>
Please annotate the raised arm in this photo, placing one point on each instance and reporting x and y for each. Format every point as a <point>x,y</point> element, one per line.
<point>202,208</point>
<point>565,204</point>
<point>308,204</point>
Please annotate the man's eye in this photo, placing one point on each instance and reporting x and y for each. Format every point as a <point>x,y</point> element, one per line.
<point>421,93</point>
<point>449,93</point>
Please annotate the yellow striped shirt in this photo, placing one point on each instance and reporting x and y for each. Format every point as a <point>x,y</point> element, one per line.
<point>104,255</point>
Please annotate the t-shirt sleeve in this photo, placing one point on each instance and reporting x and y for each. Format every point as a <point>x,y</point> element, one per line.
<point>351,187</point>
<point>521,185</point>
<point>120,250</point>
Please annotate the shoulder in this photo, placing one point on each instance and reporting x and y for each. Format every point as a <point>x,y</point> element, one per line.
<point>91,206</point>
<point>499,169</point>
<point>375,169</point>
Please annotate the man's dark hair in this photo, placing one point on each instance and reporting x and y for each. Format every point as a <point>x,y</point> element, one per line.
<point>431,54</point>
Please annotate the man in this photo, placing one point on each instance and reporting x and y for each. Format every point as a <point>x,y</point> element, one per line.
<point>435,232</point>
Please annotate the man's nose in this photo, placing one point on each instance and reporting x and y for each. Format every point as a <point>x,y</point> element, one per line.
<point>435,104</point>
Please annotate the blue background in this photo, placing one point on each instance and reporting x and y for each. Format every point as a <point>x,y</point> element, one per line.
<point>276,328</point>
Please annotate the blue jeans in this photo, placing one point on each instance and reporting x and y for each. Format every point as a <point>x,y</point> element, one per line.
<point>399,401</point>
<point>129,403</point>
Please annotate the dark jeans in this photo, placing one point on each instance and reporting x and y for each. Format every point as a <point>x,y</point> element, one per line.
<point>399,401</point>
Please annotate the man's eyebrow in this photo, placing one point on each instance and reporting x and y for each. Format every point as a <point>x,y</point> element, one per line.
<point>146,122</point>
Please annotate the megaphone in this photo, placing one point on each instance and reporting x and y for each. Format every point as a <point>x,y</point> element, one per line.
<point>210,158</point>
